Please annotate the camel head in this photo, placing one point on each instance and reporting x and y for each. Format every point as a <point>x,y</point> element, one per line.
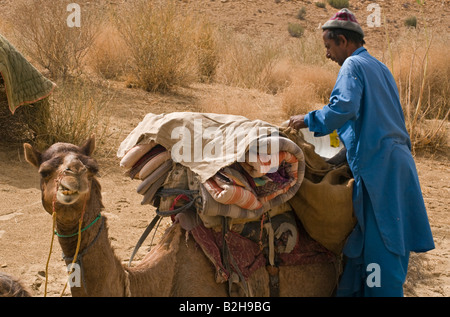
<point>67,172</point>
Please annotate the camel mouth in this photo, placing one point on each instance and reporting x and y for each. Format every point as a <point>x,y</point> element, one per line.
<point>66,196</point>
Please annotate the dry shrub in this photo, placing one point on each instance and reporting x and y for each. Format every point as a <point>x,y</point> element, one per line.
<point>205,39</point>
<point>162,42</point>
<point>250,103</point>
<point>299,98</point>
<point>308,50</point>
<point>422,74</point>
<point>71,114</point>
<point>25,124</point>
<point>418,61</point>
<point>108,56</point>
<point>247,62</point>
<point>310,88</point>
<point>75,113</point>
<point>43,33</point>
<point>338,4</point>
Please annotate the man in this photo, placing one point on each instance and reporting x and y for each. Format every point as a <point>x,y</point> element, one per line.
<point>365,109</point>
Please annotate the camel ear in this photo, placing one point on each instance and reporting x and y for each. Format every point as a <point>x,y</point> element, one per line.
<point>89,146</point>
<point>32,156</point>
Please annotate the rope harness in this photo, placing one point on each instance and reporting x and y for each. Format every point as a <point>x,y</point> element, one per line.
<point>75,258</point>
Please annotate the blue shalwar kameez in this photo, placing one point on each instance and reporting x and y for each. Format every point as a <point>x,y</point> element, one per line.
<point>365,109</point>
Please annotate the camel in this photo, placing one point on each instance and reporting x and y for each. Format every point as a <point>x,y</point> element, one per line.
<point>11,287</point>
<point>175,267</point>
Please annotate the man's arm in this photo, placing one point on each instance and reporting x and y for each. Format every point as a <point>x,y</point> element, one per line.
<point>343,106</point>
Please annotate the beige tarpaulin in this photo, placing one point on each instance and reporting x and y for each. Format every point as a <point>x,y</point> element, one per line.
<point>195,137</point>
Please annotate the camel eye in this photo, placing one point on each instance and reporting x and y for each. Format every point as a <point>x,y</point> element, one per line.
<point>46,170</point>
<point>45,173</point>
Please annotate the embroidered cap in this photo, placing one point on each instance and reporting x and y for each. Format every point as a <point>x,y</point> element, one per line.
<point>344,19</point>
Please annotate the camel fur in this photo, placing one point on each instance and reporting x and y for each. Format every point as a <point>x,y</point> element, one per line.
<point>175,267</point>
<point>11,287</point>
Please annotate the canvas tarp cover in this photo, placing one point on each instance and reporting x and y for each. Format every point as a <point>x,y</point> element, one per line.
<point>24,84</point>
<point>202,131</point>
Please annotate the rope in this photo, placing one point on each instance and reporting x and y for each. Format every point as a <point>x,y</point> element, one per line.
<point>80,222</point>
<point>82,230</point>
<point>57,180</point>
<point>49,254</point>
<point>79,257</point>
<point>78,246</point>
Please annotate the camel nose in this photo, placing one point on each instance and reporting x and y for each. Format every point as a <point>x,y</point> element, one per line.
<point>74,166</point>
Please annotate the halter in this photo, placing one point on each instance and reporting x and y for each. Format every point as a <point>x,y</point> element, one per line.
<point>57,182</point>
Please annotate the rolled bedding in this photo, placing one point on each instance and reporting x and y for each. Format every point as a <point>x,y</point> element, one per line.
<point>255,182</point>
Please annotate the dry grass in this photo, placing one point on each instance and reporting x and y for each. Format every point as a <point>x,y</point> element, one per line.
<point>109,55</point>
<point>167,47</point>
<point>42,32</point>
<point>422,74</point>
<point>76,111</point>
<point>310,76</point>
<point>246,62</point>
<point>309,90</point>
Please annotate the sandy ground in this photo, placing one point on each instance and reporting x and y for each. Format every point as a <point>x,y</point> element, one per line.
<point>25,228</point>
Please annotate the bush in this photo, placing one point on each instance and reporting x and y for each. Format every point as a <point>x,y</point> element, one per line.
<point>320,4</point>
<point>338,4</point>
<point>162,41</point>
<point>246,62</point>
<point>411,22</point>
<point>108,56</point>
<point>42,32</point>
<point>422,74</point>
<point>295,29</point>
<point>75,113</point>
<point>301,13</point>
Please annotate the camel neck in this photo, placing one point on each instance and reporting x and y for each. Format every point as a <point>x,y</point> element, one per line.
<point>97,268</point>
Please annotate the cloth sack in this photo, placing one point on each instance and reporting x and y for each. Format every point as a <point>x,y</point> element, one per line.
<point>323,202</point>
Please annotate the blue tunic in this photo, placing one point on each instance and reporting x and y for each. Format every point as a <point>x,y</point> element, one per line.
<point>365,109</point>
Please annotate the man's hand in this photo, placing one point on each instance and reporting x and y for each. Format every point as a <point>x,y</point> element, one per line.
<point>297,122</point>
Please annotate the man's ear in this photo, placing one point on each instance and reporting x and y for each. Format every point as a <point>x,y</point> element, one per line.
<point>342,40</point>
<point>32,156</point>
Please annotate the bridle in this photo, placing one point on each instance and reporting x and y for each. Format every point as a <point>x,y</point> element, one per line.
<point>78,256</point>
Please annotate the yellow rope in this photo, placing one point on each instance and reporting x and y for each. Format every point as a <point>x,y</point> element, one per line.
<point>53,237</point>
<point>78,245</point>
<point>50,253</point>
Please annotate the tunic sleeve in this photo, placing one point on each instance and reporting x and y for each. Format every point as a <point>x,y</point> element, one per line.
<point>344,102</point>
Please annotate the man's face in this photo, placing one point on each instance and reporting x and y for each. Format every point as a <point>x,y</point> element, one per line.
<point>337,53</point>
